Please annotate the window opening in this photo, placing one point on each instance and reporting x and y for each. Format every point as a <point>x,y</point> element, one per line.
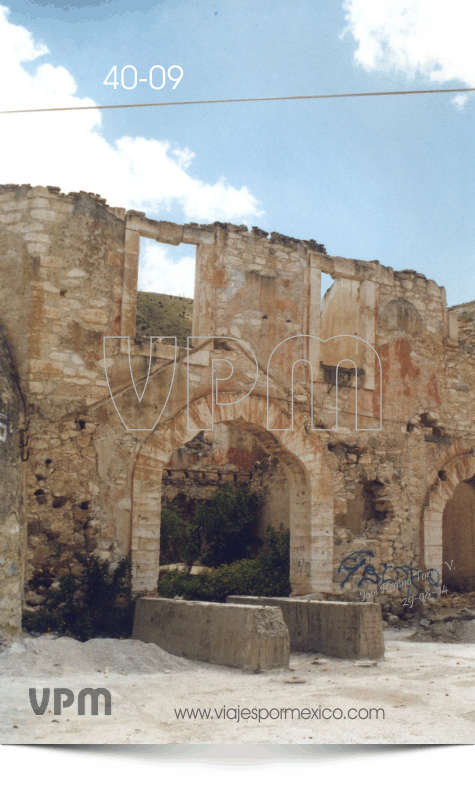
<point>326,283</point>
<point>165,289</point>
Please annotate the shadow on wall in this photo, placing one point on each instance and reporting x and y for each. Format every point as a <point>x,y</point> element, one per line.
<point>458,536</point>
<point>12,521</point>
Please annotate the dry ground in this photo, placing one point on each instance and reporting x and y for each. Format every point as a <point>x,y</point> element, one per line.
<point>427,691</point>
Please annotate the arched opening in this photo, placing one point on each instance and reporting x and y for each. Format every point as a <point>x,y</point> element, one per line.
<point>220,492</point>
<point>458,538</point>
<point>448,524</point>
<point>226,456</point>
<point>310,496</point>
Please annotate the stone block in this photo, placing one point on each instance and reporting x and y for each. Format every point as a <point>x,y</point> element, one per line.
<point>196,235</point>
<point>236,635</point>
<point>37,248</point>
<point>352,630</point>
<point>45,215</point>
<point>10,218</point>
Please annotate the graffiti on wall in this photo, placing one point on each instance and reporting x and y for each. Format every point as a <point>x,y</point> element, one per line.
<point>389,578</point>
<point>301,566</point>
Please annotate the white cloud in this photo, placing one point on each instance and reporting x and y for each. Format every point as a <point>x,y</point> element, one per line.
<point>459,100</point>
<point>430,37</point>
<point>159,272</point>
<point>67,149</point>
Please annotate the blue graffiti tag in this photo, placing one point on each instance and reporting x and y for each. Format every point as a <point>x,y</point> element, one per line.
<point>391,577</point>
<point>369,575</point>
<point>352,563</point>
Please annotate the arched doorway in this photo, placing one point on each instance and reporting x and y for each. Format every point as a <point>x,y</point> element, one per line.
<point>300,453</point>
<point>458,538</point>
<point>214,460</point>
<point>448,522</point>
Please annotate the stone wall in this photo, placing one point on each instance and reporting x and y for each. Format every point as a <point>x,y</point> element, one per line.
<point>363,488</point>
<point>12,517</point>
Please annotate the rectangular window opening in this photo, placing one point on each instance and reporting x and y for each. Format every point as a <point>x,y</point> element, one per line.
<point>327,282</point>
<point>347,314</point>
<point>165,291</point>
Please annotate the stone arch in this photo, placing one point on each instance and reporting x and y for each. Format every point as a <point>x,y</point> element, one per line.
<point>302,455</point>
<point>401,315</point>
<point>458,470</point>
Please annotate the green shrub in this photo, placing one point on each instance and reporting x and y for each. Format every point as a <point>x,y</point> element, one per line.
<point>179,540</point>
<point>275,560</point>
<point>227,525</point>
<point>94,603</point>
<point>265,575</point>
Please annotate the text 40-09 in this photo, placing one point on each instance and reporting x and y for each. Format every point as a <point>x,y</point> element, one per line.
<point>156,77</point>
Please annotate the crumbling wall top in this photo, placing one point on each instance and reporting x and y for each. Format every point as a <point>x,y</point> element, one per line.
<point>219,232</point>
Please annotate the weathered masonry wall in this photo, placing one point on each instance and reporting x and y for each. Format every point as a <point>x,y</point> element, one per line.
<point>367,482</point>
<point>12,517</point>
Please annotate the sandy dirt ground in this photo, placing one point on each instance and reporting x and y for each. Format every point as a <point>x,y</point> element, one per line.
<point>427,692</point>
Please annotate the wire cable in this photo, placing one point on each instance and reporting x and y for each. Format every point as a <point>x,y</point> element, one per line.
<point>234,101</point>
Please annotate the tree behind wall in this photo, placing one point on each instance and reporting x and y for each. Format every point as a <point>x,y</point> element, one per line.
<point>267,574</point>
<point>179,540</point>
<point>228,524</point>
<point>224,530</point>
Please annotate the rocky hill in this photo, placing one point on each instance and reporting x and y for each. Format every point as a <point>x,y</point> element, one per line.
<point>163,314</point>
<point>465,311</point>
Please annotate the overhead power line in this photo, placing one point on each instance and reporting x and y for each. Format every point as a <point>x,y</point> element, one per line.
<point>235,101</point>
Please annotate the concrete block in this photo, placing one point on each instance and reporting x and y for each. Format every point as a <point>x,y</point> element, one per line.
<point>352,630</point>
<point>237,635</point>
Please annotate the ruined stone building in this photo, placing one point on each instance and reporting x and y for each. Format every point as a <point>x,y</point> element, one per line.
<point>362,443</point>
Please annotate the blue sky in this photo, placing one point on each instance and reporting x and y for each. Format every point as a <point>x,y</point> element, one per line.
<point>387,178</point>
